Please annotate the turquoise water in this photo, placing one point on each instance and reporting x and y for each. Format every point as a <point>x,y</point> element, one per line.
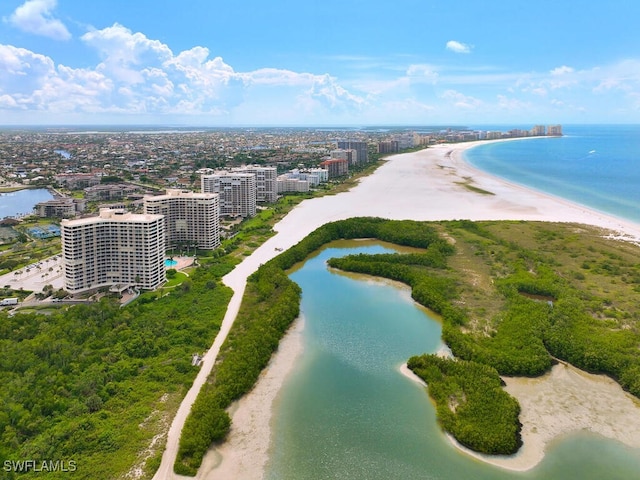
<point>15,204</point>
<point>347,413</point>
<point>595,165</point>
<point>170,263</point>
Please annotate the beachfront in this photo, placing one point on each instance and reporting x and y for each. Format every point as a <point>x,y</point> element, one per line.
<point>426,185</point>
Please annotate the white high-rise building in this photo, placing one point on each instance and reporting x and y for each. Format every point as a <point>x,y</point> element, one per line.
<point>292,184</point>
<point>266,188</point>
<point>237,192</point>
<point>115,249</point>
<point>191,219</point>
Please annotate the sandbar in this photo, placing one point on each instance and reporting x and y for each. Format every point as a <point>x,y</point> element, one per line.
<point>424,185</point>
<point>563,401</point>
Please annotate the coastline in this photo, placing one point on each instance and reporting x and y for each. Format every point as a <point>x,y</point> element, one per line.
<point>608,218</point>
<point>245,452</point>
<point>424,185</point>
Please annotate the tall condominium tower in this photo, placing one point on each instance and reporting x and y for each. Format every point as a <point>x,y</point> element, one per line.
<point>191,219</point>
<point>360,147</point>
<point>237,192</point>
<point>538,130</point>
<point>115,249</point>
<point>266,178</point>
<point>554,130</point>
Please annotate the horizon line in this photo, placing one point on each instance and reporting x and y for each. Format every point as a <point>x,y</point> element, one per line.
<point>323,126</point>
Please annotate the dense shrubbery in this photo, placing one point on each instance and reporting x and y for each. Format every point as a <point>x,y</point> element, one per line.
<point>578,338</point>
<point>401,232</point>
<point>80,383</point>
<point>271,302</point>
<point>471,403</point>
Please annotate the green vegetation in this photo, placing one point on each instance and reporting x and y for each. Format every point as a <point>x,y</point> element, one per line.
<point>18,249</point>
<point>468,184</point>
<point>95,383</point>
<point>471,403</point>
<point>271,302</point>
<point>111,179</point>
<point>517,295</point>
<point>88,382</point>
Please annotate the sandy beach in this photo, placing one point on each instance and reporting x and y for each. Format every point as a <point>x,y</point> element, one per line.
<point>424,185</point>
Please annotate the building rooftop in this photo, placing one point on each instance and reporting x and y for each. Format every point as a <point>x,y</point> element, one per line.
<point>113,215</point>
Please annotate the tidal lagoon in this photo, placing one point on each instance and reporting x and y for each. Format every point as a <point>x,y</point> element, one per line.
<point>347,412</point>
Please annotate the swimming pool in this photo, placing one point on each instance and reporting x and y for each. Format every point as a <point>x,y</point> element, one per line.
<point>170,262</point>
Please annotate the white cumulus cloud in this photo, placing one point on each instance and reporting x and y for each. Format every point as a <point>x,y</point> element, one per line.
<point>458,47</point>
<point>563,70</point>
<point>327,92</point>
<point>139,75</point>
<point>35,16</point>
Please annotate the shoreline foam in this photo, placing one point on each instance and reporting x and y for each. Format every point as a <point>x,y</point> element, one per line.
<point>423,185</point>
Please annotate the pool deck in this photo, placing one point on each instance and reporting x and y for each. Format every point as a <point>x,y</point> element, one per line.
<point>182,262</point>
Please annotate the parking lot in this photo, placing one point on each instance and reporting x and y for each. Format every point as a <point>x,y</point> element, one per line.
<point>35,276</point>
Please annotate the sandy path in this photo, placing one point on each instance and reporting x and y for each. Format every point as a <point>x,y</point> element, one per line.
<point>424,185</point>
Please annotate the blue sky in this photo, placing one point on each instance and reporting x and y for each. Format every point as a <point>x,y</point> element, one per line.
<point>329,62</point>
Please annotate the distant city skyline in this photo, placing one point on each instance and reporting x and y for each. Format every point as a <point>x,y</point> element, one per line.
<point>292,63</point>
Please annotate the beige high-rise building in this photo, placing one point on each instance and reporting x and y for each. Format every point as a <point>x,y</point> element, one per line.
<point>266,178</point>
<point>538,130</point>
<point>554,130</point>
<point>237,192</point>
<point>191,219</point>
<point>115,249</point>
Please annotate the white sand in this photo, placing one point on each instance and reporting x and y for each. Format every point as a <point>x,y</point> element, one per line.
<point>424,185</point>
<point>565,400</point>
<point>569,400</point>
<point>245,453</point>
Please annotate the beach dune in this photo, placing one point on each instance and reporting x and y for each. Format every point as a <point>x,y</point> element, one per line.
<point>431,184</point>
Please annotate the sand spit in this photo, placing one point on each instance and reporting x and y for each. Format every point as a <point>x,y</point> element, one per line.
<point>566,400</point>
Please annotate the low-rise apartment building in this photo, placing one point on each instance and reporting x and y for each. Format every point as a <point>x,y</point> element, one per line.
<point>60,207</point>
<point>288,184</point>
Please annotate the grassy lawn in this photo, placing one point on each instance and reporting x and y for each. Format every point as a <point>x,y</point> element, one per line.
<point>175,281</point>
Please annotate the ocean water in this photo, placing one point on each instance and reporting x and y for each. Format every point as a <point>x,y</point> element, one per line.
<point>594,165</point>
<point>347,413</point>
